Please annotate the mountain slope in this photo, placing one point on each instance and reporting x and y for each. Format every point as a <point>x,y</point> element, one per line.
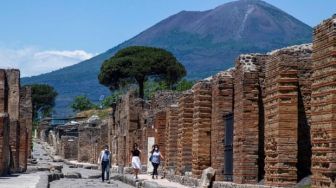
<point>204,41</point>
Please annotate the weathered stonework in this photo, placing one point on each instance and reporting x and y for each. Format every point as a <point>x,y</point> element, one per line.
<point>13,80</point>
<point>171,138</point>
<point>185,133</point>
<point>323,129</point>
<point>201,128</point>
<point>89,143</point>
<point>248,119</point>
<point>160,123</point>
<point>222,105</point>
<point>282,114</point>
<point>69,147</point>
<point>15,122</point>
<point>25,128</point>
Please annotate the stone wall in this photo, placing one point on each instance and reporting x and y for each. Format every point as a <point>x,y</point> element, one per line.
<point>69,147</point>
<point>282,114</point>
<point>13,80</point>
<point>323,125</point>
<point>15,122</point>
<point>89,143</point>
<point>222,105</point>
<point>4,126</point>
<point>26,121</point>
<point>185,133</point>
<point>171,138</point>
<point>160,131</point>
<point>201,140</point>
<point>248,121</point>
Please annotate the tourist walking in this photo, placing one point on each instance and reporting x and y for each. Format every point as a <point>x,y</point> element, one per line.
<point>156,159</point>
<point>105,161</point>
<point>136,163</point>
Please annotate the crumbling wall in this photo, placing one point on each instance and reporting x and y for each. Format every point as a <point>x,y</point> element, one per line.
<point>171,138</point>
<point>88,143</point>
<point>26,120</point>
<point>69,147</point>
<point>13,82</point>
<point>185,133</point>
<point>4,126</point>
<point>323,126</point>
<point>222,105</point>
<point>160,122</point>
<point>201,128</point>
<point>282,115</point>
<point>247,119</point>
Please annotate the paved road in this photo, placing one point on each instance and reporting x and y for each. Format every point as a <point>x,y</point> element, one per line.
<point>37,175</point>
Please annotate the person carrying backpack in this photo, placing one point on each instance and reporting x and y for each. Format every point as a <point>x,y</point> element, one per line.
<point>105,160</point>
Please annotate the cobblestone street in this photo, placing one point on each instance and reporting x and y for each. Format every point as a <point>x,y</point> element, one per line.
<point>37,175</point>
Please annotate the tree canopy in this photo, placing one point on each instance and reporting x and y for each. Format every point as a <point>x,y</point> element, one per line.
<point>43,99</point>
<point>136,64</point>
<point>82,103</point>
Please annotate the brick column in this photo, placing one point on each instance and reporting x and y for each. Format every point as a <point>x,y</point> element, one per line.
<point>185,132</point>
<point>4,126</point>
<point>222,104</point>
<point>171,138</point>
<point>201,128</point>
<point>281,120</point>
<point>248,119</point>
<point>13,80</point>
<point>160,131</point>
<point>26,120</point>
<point>323,129</point>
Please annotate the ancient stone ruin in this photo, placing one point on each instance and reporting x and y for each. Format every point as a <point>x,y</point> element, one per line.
<point>15,122</point>
<point>268,120</point>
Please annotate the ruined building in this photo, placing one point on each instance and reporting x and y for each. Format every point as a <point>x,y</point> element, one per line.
<point>16,122</point>
<point>269,120</point>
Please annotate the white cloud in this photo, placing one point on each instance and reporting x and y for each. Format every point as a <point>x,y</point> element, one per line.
<point>32,61</point>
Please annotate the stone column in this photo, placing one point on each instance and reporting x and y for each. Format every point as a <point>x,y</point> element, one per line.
<point>171,139</point>
<point>4,126</point>
<point>201,128</point>
<point>26,121</point>
<point>160,131</point>
<point>323,103</point>
<point>13,81</point>
<point>222,104</point>
<point>281,119</point>
<point>248,119</point>
<point>185,132</point>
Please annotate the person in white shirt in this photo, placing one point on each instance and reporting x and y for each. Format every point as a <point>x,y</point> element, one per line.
<point>105,161</point>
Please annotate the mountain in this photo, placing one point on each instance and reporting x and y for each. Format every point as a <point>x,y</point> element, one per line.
<point>204,41</point>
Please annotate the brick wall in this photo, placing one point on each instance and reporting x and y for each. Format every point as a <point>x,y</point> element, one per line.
<point>282,115</point>
<point>160,131</point>
<point>185,133</point>
<point>247,119</point>
<point>323,126</point>
<point>171,138</point>
<point>69,147</point>
<point>222,104</point>
<point>26,120</point>
<point>4,126</point>
<point>13,80</point>
<point>89,143</point>
<point>201,128</point>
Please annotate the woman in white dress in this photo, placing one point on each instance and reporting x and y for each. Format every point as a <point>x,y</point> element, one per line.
<point>136,163</point>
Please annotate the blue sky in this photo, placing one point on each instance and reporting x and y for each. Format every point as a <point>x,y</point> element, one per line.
<point>43,35</point>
